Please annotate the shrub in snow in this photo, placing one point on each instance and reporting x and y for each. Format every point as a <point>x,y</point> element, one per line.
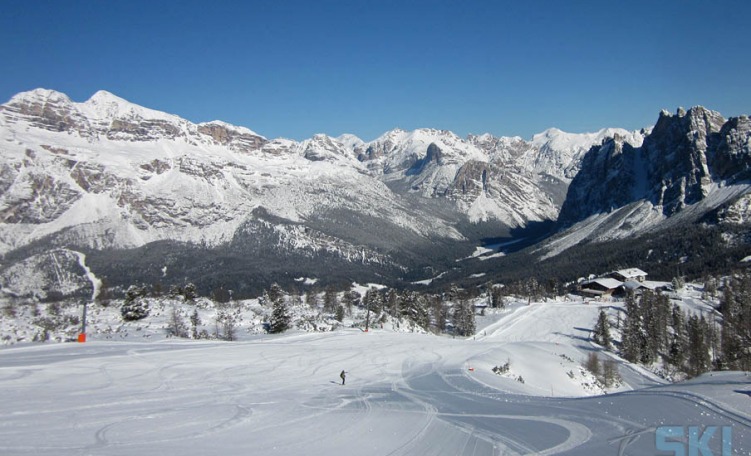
<point>498,370</point>
<point>136,310</point>
<point>228,319</point>
<point>177,326</point>
<point>605,372</point>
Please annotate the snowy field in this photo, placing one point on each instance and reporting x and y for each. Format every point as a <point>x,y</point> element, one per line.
<point>405,394</point>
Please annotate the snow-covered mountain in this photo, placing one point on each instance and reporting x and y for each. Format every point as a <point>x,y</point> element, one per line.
<point>693,165</point>
<point>106,174</point>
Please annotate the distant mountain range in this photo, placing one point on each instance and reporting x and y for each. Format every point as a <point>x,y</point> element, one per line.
<point>139,195</point>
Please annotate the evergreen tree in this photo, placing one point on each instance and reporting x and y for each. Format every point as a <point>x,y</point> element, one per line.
<point>655,312</point>
<point>455,293</point>
<point>438,312</point>
<point>496,297</point>
<point>195,321</point>
<point>330,300</point>
<point>275,293</point>
<point>678,340</point>
<point>602,331</point>
<point>415,309</point>
<point>311,299</point>
<point>339,313</point>
<point>464,317</point>
<point>373,301</point>
<point>698,360</point>
<point>189,292</point>
<point>134,306</point>
<point>393,303</point>
<point>532,289</point>
<point>294,299</point>
<point>351,299</point>
<point>735,306</point>
<point>280,318</point>
<point>632,338</point>
<point>710,288</point>
<point>221,295</point>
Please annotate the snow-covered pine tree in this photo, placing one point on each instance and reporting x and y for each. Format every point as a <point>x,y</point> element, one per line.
<point>275,293</point>
<point>393,303</point>
<point>339,314</point>
<point>311,298</point>
<point>350,299</point>
<point>710,288</point>
<point>698,347</point>
<point>195,321</point>
<point>330,300</point>
<point>496,297</point>
<point>414,308</point>
<point>632,337</point>
<point>134,306</point>
<point>280,318</point>
<point>464,317</point>
<point>438,312</point>
<point>189,292</point>
<point>373,302</point>
<point>736,326</point>
<point>655,311</point>
<point>678,339</point>
<point>601,332</point>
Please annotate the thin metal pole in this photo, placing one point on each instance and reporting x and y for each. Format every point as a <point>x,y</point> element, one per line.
<point>83,321</point>
<point>367,318</point>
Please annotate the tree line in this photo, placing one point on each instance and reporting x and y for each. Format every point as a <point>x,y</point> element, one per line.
<point>688,343</point>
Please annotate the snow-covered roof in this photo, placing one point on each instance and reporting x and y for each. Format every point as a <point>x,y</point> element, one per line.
<point>647,284</point>
<point>634,285</point>
<point>631,273</point>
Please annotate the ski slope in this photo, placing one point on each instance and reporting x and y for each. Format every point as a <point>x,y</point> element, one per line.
<point>405,394</point>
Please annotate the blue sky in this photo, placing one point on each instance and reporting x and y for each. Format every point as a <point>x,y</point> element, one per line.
<point>294,68</point>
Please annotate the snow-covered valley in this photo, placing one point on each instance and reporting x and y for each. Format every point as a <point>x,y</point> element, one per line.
<point>405,393</point>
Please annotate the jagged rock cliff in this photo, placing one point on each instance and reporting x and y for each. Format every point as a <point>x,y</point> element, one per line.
<point>691,163</point>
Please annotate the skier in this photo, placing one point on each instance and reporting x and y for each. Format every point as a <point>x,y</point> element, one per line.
<point>343,376</point>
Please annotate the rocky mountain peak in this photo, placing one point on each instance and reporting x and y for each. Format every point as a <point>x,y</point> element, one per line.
<point>102,97</point>
<point>39,96</point>
<point>676,167</point>
<point>46,109</point>
<point>698,121</point>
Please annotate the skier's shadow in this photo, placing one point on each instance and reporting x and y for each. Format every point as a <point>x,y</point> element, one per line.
<point>747,393</point>
<point>334,382</point>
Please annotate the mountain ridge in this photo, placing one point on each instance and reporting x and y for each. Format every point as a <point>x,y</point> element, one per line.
<point>106,175</point>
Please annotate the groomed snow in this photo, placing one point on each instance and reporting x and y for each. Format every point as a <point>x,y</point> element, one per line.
<point>405,394</point>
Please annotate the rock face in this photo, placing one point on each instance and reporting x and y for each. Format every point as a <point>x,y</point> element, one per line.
<point>686,158</point>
